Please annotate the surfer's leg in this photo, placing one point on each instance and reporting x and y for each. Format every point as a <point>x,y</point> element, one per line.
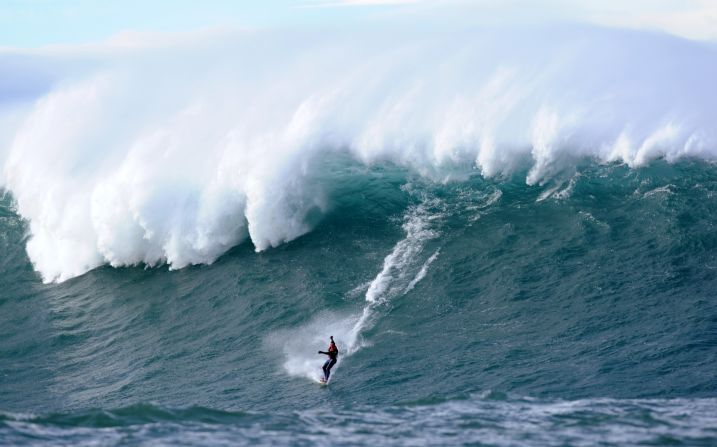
<point>329,364</point>
<point>325,369</point>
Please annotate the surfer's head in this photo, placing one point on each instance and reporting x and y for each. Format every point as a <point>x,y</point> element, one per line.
<point>332,338</point>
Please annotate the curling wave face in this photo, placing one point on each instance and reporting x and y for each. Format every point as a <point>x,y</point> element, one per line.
<point>175,152</point>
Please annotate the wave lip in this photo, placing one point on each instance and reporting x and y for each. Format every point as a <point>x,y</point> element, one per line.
<point>153,158</point>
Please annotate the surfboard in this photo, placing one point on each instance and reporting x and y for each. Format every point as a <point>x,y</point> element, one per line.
<point>323,382</point>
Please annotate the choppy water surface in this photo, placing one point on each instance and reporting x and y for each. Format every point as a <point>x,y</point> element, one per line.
<point>487,312</point>
<point>510,232</point>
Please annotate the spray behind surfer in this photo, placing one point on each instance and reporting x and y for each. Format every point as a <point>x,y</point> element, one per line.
<point>333,353</point>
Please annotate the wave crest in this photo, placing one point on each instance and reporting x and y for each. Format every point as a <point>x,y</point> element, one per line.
<point>174,155</point>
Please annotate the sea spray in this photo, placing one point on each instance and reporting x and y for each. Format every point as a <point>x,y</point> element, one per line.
<point>174,152</point>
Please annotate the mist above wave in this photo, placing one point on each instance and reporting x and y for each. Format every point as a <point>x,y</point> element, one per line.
<point>174,152</point>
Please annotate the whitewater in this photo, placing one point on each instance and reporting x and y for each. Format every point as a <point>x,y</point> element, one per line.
<point>509,232</point>
<point>172,152</point>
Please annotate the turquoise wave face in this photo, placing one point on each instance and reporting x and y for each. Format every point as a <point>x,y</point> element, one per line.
<point>586,301</point>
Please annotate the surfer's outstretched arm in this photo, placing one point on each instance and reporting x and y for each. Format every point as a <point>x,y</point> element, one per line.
<point>322,352</point>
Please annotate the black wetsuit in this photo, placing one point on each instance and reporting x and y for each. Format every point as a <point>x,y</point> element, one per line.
<point>333,353</point>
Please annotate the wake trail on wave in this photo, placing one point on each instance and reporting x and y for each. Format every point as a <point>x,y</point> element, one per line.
<point>401,271</point>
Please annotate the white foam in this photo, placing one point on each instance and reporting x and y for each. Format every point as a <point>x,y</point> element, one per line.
<point>175,152</point>
<point>422,273</point>
<point>396,266</point>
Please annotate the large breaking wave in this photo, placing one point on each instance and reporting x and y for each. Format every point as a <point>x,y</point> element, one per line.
<point>175,152</point>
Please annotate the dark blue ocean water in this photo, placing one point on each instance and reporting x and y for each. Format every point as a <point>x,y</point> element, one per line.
<point>482,312</point>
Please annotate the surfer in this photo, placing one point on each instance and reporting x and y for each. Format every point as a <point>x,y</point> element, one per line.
<point>333,352</point>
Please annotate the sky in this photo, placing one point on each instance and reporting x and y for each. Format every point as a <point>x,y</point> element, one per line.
<point>38,23</point>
